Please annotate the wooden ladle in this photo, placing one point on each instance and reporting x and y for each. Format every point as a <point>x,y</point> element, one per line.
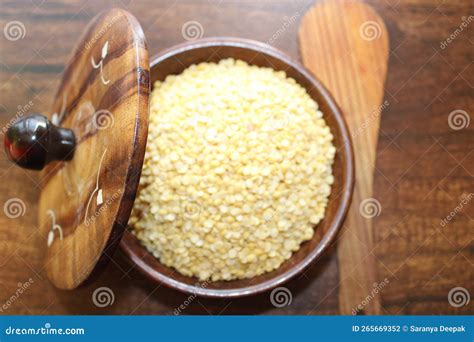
<point>345,44</point>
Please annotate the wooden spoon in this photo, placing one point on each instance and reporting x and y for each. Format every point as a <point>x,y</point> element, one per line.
<point>345,44</point>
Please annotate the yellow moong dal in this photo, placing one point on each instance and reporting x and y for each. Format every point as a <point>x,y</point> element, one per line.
<point>237,171</point>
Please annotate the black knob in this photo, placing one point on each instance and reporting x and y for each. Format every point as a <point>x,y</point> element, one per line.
<point>33,141</point>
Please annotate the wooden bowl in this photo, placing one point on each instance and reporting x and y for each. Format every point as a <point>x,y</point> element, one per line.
<point>174,61</point>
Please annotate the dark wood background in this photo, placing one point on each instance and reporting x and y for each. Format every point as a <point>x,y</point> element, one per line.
<point>423,166</point>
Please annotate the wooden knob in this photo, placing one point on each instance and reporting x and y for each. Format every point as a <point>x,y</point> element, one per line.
<point>33,141</point>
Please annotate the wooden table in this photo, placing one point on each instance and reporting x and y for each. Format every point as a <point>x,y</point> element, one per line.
<point>424,167</point>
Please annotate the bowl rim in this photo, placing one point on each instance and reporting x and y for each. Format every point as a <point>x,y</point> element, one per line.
<point>345,197</point>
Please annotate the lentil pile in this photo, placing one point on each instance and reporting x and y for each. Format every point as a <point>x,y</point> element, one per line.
<point>237,171</point>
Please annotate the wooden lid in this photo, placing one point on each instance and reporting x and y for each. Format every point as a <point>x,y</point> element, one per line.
<point>86,202</point>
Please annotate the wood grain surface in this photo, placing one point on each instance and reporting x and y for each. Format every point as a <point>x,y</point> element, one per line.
<point>423,166</point>
<point>349,54</point>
